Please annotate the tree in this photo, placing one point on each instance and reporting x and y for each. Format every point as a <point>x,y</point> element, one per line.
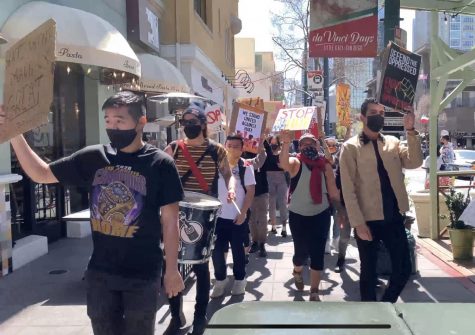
<point>291,22</point>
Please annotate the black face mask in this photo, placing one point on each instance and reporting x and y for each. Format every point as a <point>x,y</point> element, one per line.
<point>121,138</point>
<point>375,122</point>
<point>192,132</point>
<point>274,147</point>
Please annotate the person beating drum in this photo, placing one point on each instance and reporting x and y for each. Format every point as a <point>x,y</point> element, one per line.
<point>202,178</point>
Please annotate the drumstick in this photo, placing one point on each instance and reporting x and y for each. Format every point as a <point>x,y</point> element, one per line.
<point>236,206</point>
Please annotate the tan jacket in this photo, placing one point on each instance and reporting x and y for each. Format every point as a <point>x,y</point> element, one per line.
<point>359,174</point>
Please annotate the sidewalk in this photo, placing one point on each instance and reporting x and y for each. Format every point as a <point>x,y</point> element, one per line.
<point>32,301</point>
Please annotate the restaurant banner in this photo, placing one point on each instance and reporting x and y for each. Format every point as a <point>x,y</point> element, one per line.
<point>249,122</point>
<point>343,28</point>
<point>399,77</point>
<point>343,107</point>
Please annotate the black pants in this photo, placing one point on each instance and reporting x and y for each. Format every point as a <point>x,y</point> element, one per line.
<point>393,234</point>
<point>121,306</point>
<point>203,286</point>
<point>310,235</point>
<point>229,233</point>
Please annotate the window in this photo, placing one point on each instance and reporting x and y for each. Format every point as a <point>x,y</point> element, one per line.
<point>467,44</point>
<point>455,42</point>
<point>455,26</point>
<point>468,27</point>
<point>455,34</point>
<point>456,19</point>
<point>468,19</point>
<point>200,9</point>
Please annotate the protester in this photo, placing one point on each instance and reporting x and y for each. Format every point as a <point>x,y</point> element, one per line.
<point>376,198</point>
<point>211,158</point>
<point>133,187</point>
<point>312,189</point>
<point>260,204</point>
<point>278,188</point>
<point>232,227</point>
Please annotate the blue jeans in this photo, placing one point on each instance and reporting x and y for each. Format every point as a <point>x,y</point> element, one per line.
<point>229,233</point>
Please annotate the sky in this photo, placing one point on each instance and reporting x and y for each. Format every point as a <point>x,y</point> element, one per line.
<point>256,22</point>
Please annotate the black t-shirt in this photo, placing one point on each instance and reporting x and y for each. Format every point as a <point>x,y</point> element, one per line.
<point>126,193</point>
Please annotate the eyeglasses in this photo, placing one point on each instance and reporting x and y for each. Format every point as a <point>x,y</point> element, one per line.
<point>191,122</point>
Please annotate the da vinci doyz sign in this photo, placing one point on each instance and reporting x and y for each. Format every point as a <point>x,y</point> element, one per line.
<point>343,28</point>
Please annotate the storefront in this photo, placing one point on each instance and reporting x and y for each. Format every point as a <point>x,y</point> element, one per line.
<point>93,58</point>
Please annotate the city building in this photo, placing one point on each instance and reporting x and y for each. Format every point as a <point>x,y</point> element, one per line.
<point>255,72</point>
<point>198,37</point>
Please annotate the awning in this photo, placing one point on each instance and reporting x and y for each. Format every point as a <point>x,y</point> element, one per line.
<point>82,38</point>
<point>160,76</point>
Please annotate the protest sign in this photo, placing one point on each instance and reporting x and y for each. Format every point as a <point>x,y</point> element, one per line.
<point>294,119</point>
<point>214,118</point>
<point>29,73</point>
<point>316,124</point>
<point>272,108</point>
<point>399,77</point>
<point>249,122</point>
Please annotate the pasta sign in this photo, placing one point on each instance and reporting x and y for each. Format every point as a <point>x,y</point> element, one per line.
<point>294,119</point>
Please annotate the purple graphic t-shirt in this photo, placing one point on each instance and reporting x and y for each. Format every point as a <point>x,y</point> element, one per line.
<point>126,193</point>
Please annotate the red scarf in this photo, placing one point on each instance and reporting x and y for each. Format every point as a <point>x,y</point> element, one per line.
<point>317,166</point>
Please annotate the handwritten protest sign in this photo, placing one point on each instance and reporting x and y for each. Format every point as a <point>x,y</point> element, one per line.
<point>294,119</point>
<point>248,122</point>
<point>214,117</point>
<point>29,72</point>
<point>399,77</point>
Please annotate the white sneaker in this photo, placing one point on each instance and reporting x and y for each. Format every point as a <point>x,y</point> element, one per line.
<point>239,287</point>
<point>335,242</point>
<point>219,288</point>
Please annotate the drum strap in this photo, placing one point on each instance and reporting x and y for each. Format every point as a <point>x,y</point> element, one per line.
<point>193,167</point>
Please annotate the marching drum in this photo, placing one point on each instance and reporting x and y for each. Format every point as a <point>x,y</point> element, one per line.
<point>198,215</point>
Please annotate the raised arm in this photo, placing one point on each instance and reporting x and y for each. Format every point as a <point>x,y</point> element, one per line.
<point>36,168</point>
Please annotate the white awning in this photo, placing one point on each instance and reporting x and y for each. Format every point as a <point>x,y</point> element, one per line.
<point>161,76</point>
<point>82,37</point>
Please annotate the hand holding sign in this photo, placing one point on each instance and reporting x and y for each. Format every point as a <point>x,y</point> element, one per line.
<point>409,121</point>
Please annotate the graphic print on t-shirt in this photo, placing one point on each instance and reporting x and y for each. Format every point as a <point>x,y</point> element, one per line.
<point>117,200</point>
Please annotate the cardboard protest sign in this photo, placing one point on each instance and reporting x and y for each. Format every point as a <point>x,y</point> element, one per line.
<point>294,119</point>
<point>272,108</point>
<point>29,73</point>
<point>248,122</point>
<point>316,125</point>
<point>214,117</point>
<point>399,77</point>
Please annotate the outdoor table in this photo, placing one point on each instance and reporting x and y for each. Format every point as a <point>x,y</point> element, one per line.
<point>336,318</point>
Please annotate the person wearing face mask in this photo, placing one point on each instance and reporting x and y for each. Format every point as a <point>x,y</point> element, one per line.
<point>312,189</point>
<point>232,226</point>
<point>134,194</point>
<point>376,198</point>
<point>210,158</point>
<point>278,188</point>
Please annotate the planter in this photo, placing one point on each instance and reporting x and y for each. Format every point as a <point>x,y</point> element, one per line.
<point>422,205</point>
<point>462,243</point>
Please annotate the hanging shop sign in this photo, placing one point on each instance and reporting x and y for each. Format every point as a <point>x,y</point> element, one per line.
<point>343,28</point>
<point>343,104</point>
<point>143,24</point>
<point>315,84</point>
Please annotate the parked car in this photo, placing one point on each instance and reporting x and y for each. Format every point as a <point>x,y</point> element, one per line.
<point>464,159</point>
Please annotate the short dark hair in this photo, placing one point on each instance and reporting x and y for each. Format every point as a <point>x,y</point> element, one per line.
<point>235,137</point>
<point>446,137</point>
<point>134,103</point>
<point>277,138</point>
<point>364,105</point>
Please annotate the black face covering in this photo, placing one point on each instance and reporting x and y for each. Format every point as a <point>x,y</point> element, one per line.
<point>121,138</point>
<point>375,122</point>
<point>274,147</point>
<point>192,131</point>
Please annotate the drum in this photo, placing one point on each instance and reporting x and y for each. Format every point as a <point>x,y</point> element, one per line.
<point>198,215</point>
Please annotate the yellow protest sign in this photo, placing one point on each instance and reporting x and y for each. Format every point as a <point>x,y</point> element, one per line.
<point>294,118</point>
